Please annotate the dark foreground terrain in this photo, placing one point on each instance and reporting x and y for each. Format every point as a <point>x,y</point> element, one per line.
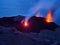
<point>11,36</point>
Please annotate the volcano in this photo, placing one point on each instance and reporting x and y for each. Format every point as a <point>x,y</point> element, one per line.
<point>39,23</point>
<point>35,24</point>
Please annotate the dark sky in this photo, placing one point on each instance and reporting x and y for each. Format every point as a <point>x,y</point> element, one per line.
<point>29,8</point>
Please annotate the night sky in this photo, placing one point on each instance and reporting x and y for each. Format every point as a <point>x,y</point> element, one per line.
<point>29,8</point>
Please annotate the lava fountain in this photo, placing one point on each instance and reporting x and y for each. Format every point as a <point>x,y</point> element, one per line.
<point>49,18</point>
<point>25,23</point>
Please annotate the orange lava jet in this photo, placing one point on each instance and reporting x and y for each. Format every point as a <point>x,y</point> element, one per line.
<point>49,17</point>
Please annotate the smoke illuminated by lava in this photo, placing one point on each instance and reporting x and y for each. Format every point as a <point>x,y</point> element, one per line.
<point>49,17</point>
<point>38,15</point>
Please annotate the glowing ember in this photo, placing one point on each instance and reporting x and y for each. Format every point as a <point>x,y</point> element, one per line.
<point>49,17</point>
<point>25,23</point>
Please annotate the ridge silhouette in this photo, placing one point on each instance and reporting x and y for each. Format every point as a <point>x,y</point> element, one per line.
<point>36,24</point>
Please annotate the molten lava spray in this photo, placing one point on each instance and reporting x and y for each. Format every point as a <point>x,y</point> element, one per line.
<point>25,23</point>
<point>49,17</point>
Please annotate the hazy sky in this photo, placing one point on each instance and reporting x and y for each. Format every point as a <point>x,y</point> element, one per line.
<point>29,8</point>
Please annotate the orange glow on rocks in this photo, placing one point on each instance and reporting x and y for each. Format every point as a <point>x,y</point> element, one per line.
<point>49,17</point>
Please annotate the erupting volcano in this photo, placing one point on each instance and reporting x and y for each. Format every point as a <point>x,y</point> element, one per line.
<point>34,24</point>
<point>49,17</point>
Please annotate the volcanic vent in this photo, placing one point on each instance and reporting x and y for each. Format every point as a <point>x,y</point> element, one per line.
<point>37,23</point>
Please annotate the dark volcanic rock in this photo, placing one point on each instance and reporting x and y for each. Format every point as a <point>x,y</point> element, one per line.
<point>35,23</point>
<point>11,21</point>
<point>39,23</point>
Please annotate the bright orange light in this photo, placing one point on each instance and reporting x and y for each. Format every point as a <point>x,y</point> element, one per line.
<point>25,23</point>
<point>49,17</point>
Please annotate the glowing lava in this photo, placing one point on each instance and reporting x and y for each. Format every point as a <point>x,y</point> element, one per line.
<point>26,23</point>
<point>49,17</point>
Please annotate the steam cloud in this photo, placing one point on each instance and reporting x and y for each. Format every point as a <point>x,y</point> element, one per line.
<point>42,4</point>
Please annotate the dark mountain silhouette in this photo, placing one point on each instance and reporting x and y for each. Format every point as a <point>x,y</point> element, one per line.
<point>39,23</point>
<point>11,21</point>
<point>35,23</point>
